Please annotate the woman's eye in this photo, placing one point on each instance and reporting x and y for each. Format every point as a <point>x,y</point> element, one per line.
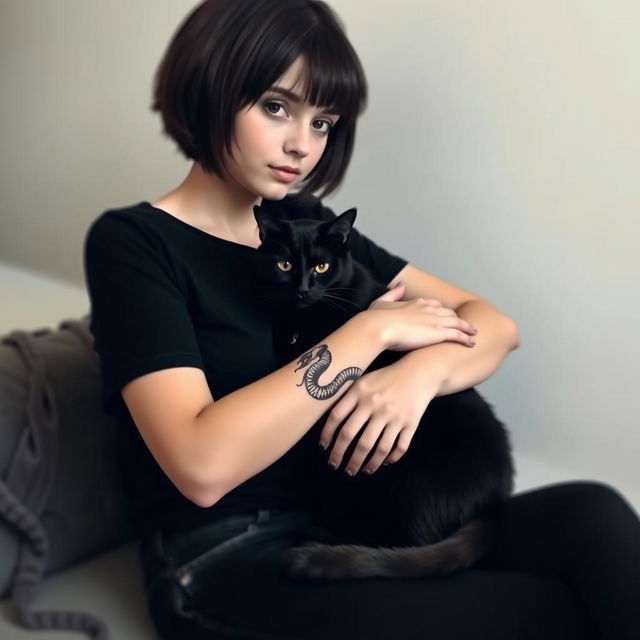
<point>323,267</point>
<point>327,126</point>
<point>284,265</point>
<point>272,108</point>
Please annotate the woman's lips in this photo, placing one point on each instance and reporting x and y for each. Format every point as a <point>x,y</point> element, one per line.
<point>287,176</point>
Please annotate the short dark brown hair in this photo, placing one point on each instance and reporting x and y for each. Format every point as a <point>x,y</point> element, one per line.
<point>227,53</point>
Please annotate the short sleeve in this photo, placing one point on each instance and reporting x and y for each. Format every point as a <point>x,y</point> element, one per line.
<point>139,317</point>
<point>383,264</point>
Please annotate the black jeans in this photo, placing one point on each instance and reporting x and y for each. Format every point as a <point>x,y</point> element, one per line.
<point>566,565</point>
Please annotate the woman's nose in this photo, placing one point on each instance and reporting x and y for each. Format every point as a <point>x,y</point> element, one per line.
<point>298,140</point>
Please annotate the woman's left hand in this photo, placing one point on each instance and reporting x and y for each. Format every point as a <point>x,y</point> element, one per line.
<point>390,401</point>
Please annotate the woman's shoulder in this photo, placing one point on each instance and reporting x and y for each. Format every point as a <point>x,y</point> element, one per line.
<point>124,213</point>
<point>128,229</point>
<point>127,219</point>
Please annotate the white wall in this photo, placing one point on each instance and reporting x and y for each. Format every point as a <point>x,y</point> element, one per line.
<point>500,151</point>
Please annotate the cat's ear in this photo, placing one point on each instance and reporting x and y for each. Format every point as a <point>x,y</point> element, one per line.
<point>341,226</point>
<point>266,222</point>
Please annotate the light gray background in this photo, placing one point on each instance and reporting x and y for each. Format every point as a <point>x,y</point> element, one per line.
<point>500,151</point>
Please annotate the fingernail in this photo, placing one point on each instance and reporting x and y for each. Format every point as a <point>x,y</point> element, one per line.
<point>399,283</point>
<point>349,472</point>
<point>333,465</point>
<point>368,472</point>
<point>323,446</point>
<point>472,342</point>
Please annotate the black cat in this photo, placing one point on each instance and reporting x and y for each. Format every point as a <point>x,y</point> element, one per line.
<point>442,493</point>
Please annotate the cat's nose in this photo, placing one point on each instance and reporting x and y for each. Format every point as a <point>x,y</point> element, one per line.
<point>302,295</point>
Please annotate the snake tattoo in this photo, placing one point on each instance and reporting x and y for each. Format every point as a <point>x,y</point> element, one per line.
<point>318,359</point>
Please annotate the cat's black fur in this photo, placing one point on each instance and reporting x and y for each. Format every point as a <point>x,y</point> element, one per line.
<point>430,512</point>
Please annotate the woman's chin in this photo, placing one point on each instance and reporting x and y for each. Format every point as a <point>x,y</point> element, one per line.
<point>276,194</point>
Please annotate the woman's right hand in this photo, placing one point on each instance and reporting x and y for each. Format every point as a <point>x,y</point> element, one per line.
<point>411,324</point>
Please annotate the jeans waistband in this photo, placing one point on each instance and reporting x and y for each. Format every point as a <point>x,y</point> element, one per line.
<point>261,516</point>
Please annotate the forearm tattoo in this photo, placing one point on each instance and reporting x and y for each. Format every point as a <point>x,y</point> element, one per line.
<point>318,360</point>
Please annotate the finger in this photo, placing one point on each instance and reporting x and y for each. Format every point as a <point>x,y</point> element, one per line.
<point>338,414</point>
<point>460,324</point>
<point>397,284</point>
<point>393,294</point>
<point>463,325</point>
<point>444,312</point>
<point>366,444</point>
<point>402,446</point>
<point>455,335</point>
<point>348,432</point>
<point>384,448</point>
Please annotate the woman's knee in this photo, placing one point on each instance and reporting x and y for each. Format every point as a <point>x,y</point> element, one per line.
<point>592,502</point>
<point>594,495</point>
<point>568,507</point>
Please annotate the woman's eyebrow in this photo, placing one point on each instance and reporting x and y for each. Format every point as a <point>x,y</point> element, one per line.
<point>294,97</point>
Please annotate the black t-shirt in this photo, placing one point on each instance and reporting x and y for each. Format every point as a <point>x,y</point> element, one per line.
<point>166,294</point>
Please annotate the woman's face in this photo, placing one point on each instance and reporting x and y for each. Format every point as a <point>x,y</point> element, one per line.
<point>278,131</point>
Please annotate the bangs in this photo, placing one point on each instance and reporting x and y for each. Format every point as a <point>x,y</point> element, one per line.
<point>228,53</point>
<point>332,75</point>
<point>330,81</point>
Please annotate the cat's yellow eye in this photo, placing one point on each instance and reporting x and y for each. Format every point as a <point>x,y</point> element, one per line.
<point>323,267</point>
<point>284,265</point>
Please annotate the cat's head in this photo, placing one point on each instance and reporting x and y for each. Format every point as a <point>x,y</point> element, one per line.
<point>302,262</point>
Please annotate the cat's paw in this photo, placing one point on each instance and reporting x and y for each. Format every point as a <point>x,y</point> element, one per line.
<point>309,561</point>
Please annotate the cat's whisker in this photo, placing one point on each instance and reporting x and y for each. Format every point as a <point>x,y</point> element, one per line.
<point>333,297</point>
<point>341,289</point>
<point>330,292</point>
<point>328,300</point>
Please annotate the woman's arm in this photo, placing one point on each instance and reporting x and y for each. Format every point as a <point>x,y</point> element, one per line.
<point>249,429</point>
<point>454,366</point>
<point>401,392</point>
<point>207,447</point>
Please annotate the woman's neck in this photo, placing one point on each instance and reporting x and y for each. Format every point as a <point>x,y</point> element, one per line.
<point>205,201</point>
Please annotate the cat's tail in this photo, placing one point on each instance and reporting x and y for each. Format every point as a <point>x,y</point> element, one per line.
<point>317,561</point>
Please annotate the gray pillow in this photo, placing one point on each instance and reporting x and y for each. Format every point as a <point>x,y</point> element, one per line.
<point>61,493</point>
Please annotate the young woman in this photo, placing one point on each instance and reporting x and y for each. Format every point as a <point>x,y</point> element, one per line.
<point>263,97</point>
